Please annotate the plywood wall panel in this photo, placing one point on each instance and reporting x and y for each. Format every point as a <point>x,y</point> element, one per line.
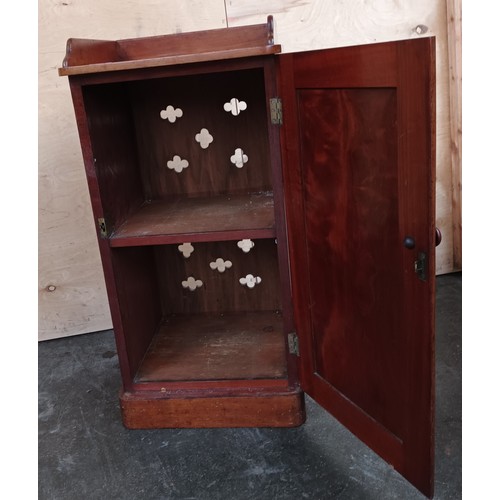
<point>72,295</point>
<point>315,24</point>
<point>454,18</point>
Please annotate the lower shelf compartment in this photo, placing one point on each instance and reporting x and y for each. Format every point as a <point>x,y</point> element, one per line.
<point>265,409</point>
<point>236,346</point>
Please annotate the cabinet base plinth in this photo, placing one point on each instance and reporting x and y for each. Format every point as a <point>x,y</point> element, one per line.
<point>144,411</point>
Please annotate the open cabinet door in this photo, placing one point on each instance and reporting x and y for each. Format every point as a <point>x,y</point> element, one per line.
<point>359,173</point>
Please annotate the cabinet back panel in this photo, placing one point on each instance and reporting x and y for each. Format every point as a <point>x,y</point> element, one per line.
<point>115,156</point>
<point>219,291</point>
<point>201,99</point>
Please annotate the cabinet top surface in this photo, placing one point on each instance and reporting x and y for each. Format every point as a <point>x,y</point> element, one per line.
<point>84,56</point>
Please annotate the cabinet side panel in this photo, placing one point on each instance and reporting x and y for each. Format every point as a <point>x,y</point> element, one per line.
<point>116,167</point>
<point>137,293</point>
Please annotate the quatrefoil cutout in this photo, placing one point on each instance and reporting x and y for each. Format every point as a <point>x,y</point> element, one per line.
<point>221,265</point>
<point>170,113</point>
<point>186,249</point>
<point>250,280</point>
<point>177,164</point>
<point>239,158</point>
<point>204,138</point>
<point>235,106</point>
<point>246,245</point>
<point>192,283</point>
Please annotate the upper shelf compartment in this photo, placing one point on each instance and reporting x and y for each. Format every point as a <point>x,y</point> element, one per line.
<point>85,56</point>
<point>198,219</point>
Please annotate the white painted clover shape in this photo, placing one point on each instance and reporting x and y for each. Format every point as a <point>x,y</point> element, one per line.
<point>186,249</point>
<point>239,158</point>
<point>221,265</point>
<point>177,164</point>
<point>170,113</point>
<point>246,245</point>
<point>192,283</point>
<point>235,106</point>
<point>250,280</point>
<point>204,138</point>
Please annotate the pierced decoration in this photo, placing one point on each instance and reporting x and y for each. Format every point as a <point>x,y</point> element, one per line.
<point>239,158</point>
<point>235,106</point>
<point>171,114</point>
<point>250,280</point>
<point>204,138</point>
<point>192,283</point>
<point>177,164</point>
<point>221,265</point>
<point>186,249</point>
<point>246,245</point>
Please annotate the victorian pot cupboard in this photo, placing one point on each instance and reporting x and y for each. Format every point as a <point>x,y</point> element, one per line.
<point>266,228</point>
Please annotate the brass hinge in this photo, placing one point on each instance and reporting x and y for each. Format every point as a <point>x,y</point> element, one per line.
<point>293,343</point>
<point>276,111</point>
<point>101,222</point>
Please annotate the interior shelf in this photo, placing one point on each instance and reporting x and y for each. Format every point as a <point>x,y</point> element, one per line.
<point>217,218</point>
<point>246,345</point>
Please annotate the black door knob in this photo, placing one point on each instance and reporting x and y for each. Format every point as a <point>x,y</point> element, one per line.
<point>409,242</point>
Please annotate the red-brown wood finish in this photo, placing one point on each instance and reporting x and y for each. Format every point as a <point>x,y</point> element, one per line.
<point>261,409</point>
<point>198,219</point>
<point>149,210</point>
<point>220,292</point>
<point>358,157</point>
<point>359,177</point>
<point>216,347</point>
<point>94,56</point>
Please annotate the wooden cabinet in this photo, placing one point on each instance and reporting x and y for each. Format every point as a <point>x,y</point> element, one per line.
<point>266,228</point>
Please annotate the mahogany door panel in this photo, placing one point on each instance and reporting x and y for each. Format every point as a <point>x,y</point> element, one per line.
<point>358,143</point>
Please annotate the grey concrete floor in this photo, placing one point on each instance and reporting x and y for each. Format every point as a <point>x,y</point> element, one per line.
<point>86,453</point>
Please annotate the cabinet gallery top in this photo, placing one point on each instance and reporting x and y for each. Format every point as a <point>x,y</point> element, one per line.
<point>85,56</point>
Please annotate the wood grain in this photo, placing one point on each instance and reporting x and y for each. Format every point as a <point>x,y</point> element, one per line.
<point>220,292</point>
<point>98,56</point>
<point>454,15</point>
<point>363,160</point>
<point>216,347</point>
<point>198,219</point>
<point>262,409</point>
<point>201,98</point>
